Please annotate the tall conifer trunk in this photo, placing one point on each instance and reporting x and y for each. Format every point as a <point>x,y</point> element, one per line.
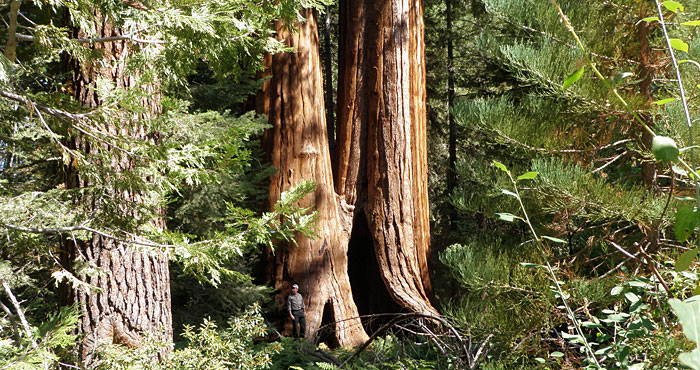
<point>377,204</point>
<point>298,145</point>
<point>381,139</point>
<point>134,284</point>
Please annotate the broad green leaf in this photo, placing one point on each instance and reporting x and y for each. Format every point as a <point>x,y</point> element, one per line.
<point>556,354</point>
<point>685,259</point>
<point>588,324</point>
<point>650,19</point>
<point>679,44</point>
<point>689,315</point>
<point>573,78</point>
<point>691,23</point>
<point>556,240</point>
<point>500,166</point>
<point>664,101</point>
<point>687,217</point>
<point>540,360</point>
<point>681,172</point>
<point>616,290</point>
<point>673,6</point>
<point>568,336</point>
<point>507,217</point>
<point>528,176</point>
<point>508,192</point>
<point>631,297</point>
<point>603,351</point>
<point>664,149</point>
<point>616,318</point>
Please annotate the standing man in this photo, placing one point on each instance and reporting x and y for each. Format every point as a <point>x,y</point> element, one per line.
<point>297,311</point>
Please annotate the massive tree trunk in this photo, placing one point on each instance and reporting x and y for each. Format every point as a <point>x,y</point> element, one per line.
<point>381,139</point>
<point>133,283</point>
<point>374,216</point>
<point>298,146</point>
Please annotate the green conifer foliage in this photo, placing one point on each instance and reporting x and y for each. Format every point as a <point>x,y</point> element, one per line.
<point>200,160</point>
<point>599,187</point>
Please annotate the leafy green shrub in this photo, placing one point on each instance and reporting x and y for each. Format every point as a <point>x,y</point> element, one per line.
<point>207,348</point>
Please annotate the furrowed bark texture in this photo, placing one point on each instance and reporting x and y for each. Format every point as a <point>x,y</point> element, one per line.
<point>298,145</point>
<point>134,283</point>
<point>381,139</point>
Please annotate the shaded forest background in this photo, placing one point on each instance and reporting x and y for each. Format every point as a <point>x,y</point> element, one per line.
<point>171,130</point>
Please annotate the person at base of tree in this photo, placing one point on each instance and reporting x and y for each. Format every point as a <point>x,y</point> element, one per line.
<point>297,311</point>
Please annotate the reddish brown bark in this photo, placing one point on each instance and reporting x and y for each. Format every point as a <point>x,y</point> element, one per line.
<point>298,146</point>
<point>133,283</point>
<point>382,122</point>
<point>381,173</point>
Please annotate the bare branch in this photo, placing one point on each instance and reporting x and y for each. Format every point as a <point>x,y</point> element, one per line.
<point>402,317</point>
<point>69,229</point>
<point>480,352</point>
<point>626,253</point>
<point>13,323</point>
<point>75,120</point>
<point>52,111</point>
<point>22,37</point>
<point>610,162</point>
<point>18,309</point>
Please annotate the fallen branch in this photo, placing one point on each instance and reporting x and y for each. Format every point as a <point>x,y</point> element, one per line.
<point>402,317</point>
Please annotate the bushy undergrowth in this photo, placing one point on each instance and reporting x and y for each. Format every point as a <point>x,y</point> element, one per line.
<point>499,295</point>
<point>208,347</point>
<point>505,293</point>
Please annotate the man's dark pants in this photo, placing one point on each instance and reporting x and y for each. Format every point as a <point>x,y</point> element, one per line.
<point>299,319</point>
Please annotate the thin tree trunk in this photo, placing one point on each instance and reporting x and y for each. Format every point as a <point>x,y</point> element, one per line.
<point>298,146</point>
<point>11,47</point>
<point>646,72</point>
<point>452,139</point>
<point>134,284</point>
<point>381,139</point>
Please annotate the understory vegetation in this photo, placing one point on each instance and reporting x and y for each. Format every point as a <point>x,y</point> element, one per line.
<point>563,228</point>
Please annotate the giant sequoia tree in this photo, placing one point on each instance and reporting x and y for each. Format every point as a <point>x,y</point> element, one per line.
<point>374,213</point>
